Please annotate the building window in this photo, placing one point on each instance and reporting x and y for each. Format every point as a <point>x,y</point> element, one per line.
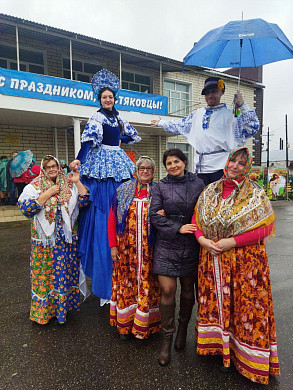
<point>187,150</point>
<point>29,61</point>
<point>179,97</point>
<point>136,82</point>
<point>81,70</point>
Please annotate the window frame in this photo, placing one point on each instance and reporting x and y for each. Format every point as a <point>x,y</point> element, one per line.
<point>77,72</point>
<point>183,111</point>
<point>134,72</point>
<point>26,63</point>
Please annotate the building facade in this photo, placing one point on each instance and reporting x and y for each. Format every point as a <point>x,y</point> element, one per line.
<point>46,97</point>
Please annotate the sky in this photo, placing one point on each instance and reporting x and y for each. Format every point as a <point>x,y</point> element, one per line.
<point>169,28</point>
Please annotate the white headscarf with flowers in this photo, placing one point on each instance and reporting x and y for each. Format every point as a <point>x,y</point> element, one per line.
<point>66,200</point>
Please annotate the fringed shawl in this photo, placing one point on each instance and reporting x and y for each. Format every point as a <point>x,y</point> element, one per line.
<point>122,200</point>
<point>67,198</point>
<point>245,209</point>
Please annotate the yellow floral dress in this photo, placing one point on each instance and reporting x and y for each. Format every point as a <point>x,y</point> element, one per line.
<point>54,270</point>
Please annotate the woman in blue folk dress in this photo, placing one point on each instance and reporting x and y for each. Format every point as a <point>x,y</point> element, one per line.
<point>52,202</point>
<point>104,166</point>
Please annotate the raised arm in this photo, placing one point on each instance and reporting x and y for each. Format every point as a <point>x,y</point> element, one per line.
<point>30,201</point>
<point>93,130</point>
<point>91,136</point>
<point>75,178</point>
<point>129,134</point>
<point>42,199</point>
<point>176,126</point>
<point>247,122</point>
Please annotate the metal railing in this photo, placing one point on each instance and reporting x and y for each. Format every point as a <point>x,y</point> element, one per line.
<point>183,110</point>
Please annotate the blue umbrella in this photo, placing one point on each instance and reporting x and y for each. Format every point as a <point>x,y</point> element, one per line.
<point>21,163</point>
<point>241,43</point>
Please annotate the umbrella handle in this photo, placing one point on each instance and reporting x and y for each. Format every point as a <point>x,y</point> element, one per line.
<point>239,73</point>
<point>236,110</point>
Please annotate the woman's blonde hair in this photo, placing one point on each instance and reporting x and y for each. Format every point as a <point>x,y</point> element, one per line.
<point>47,159</point>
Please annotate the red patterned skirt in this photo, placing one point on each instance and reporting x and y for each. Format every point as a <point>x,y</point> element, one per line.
<point>134,306</point>
<point>235,311</point>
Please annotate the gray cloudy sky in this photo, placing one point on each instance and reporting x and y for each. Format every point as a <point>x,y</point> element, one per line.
<point>169,28</point>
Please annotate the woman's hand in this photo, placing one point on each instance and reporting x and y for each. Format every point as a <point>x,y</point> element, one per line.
<point>115,254</point>
<point>74,165</point>
<point>53,190</point>
<point>238,99</point>
<point>74,176</point>
<point>225,244</point>
<point>154,122</point>
<point>188,228</point>
<point>161,212</point>
<point>42,199</point>
<point>210,246</point>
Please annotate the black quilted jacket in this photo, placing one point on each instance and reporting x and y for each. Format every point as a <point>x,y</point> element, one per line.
<point>175,254</point>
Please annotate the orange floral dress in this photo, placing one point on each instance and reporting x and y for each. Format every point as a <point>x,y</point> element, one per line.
<point>134,306</point>
<point>235,306</point>
<point>235,311</point>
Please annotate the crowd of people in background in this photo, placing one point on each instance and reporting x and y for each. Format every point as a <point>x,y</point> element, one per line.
<point>12,185</point>
<point>105,218</point>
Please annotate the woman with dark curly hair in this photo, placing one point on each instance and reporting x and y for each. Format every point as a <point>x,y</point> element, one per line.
<point>176,249</point>
<point>104,166</point>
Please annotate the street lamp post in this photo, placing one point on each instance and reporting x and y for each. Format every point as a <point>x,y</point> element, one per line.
<point>287,162</point>
<point>268,159</point>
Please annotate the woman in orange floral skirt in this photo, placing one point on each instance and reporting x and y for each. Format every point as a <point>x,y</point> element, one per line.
<point>134,306</point>
<point>235,307</point>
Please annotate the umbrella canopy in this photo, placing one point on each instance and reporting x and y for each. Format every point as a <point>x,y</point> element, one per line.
<point>20,163</point>
<point>241,43</point>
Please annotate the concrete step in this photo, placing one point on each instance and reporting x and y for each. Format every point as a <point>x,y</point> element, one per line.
<point>11,214</point>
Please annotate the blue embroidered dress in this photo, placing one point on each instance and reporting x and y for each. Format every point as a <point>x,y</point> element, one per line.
<point>104,167</point>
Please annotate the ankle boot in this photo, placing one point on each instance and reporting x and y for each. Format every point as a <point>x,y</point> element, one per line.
<point>186,306</point>
<point>168,328</point>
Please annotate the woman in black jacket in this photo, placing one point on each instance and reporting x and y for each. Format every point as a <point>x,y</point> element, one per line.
<point>176,249</point>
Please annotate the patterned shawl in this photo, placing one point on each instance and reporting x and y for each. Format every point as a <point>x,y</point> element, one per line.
<point>245,209</point>
<point>66,198</point>
<point>125,194</point>
<point>122,200</point>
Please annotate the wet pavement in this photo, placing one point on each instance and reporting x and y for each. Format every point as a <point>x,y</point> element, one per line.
<point>86,352</point>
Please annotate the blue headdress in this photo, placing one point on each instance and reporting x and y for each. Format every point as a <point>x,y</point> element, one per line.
<point>103,79</point>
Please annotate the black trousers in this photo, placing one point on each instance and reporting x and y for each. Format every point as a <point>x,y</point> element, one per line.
<point>211,177</point>
<point>20,187</point>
